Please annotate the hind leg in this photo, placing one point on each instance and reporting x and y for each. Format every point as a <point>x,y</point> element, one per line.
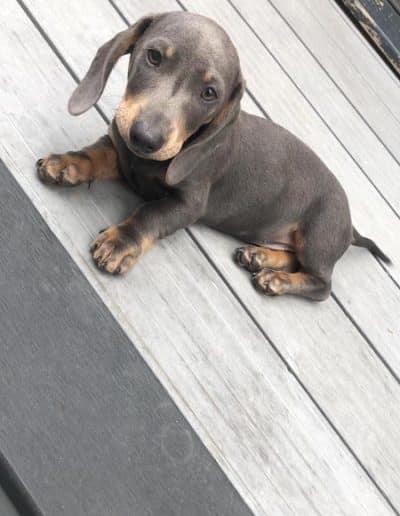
<point>321,241</point>
<point>313,278</point>
<point>276,283</point>
<point>255,258</point>
<point>274,272</point>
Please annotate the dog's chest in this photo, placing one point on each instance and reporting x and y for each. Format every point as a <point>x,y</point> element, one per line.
<point>146,177</point>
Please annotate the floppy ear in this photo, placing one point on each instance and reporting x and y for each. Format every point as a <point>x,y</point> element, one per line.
<point>92,85</point>
<point>208,140</point>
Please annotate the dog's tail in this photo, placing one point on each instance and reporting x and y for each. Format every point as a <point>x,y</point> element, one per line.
<point>361,241</point>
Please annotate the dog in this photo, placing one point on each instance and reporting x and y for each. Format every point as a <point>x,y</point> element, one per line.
<point>181,140</point>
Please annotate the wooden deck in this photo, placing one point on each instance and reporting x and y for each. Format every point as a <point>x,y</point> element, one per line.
<point>299,403</point>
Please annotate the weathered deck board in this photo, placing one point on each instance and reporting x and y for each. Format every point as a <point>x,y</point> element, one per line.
<point>325,97</point>
<point>221,253</point>
<point>360,73</point>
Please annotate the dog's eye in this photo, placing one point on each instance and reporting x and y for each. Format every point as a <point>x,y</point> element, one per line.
<point>154,57</point>
<point>209,94</point>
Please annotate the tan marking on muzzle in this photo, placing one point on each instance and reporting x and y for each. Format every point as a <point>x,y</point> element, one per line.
<point>176,138</point>
<point>128,111</point>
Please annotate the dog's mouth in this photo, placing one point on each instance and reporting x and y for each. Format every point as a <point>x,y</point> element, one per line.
<point>168,151</point>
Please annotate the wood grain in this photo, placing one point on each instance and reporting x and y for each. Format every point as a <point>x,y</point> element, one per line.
<point>351,63</point>
<point>326,98</point>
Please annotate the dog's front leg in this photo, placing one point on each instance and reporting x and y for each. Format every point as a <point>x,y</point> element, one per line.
<point>96,161</point>
<point>117,248</point>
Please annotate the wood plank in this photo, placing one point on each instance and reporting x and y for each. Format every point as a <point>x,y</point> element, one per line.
<point>379,22</point>
<point>357,70</point>
<point>325,97</point>
<point>78,400</point>
<point>244,403</point>
<point>6,507</point>
<point>285,328</point>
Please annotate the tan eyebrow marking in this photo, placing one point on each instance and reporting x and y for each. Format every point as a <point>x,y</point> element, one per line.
<point>207,77</point>
<point>170,52</point>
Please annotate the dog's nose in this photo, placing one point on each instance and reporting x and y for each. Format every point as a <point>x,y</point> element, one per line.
<point>144,138</point>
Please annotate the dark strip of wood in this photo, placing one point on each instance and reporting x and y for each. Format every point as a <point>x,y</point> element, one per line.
<point>396,5</point>
<point>379,22</point>
<point>16,491</point>
<point>84,422</point>
<point>6,507</point>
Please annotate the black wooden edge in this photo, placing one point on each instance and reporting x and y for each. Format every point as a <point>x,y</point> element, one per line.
<point>379,22</point>
<point>396,5</point>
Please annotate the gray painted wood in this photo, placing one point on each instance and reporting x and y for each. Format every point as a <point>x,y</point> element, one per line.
<point>249,409</point>
<point>6,507</point>
<point>84,422</point>
<point>326,98</point>
<point>349,59</point>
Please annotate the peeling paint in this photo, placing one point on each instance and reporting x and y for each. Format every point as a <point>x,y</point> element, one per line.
<point>380,23</point>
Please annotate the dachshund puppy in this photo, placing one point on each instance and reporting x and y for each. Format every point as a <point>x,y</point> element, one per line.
<point>181,141</point>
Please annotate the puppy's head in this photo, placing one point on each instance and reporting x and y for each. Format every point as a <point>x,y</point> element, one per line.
<point>184,86</point>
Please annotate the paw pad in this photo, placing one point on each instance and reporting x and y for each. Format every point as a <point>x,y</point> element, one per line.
<point>113,252</point>
<point>55,169</point>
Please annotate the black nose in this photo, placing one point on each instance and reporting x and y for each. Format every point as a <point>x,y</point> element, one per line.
<point>145,138</point>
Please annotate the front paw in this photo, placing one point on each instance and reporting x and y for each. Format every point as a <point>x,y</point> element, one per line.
<point>116,249</point>
<point>63,169</point>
